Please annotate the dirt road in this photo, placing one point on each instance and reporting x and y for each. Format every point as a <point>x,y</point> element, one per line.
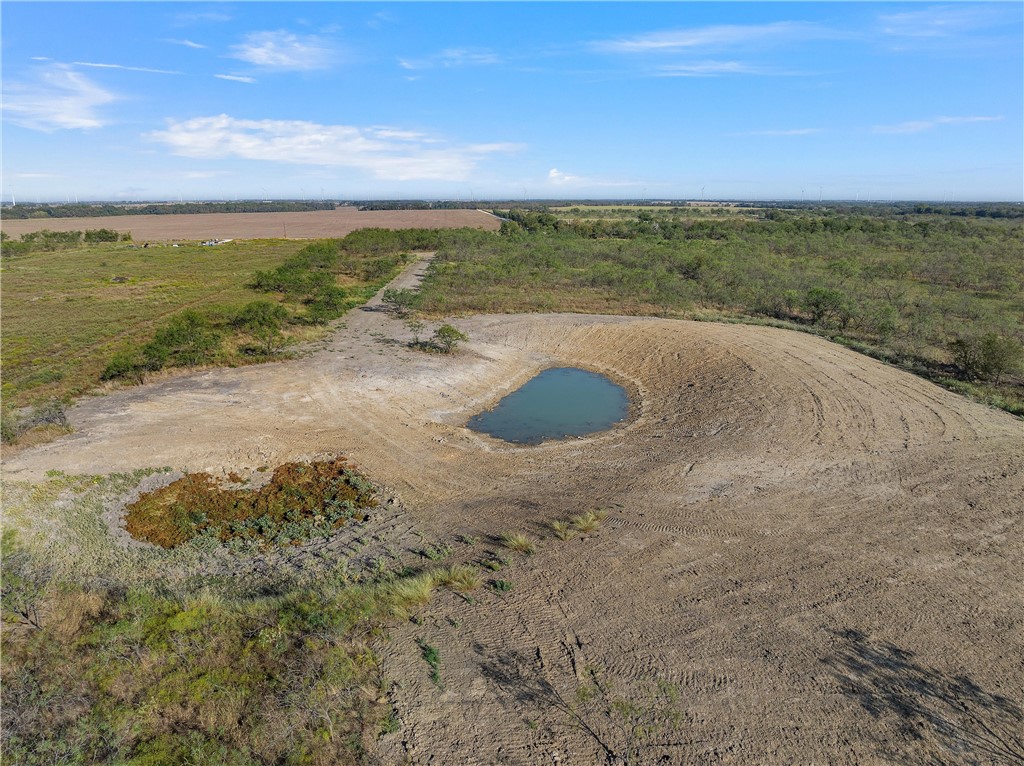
<point>305,225</point>
<point>810,557</point>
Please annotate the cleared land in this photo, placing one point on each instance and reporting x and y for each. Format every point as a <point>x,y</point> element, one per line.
<point>307,225</point>
<point>813,556</point>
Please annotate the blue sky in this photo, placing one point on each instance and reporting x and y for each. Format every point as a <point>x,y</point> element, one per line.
<point>132,100</point>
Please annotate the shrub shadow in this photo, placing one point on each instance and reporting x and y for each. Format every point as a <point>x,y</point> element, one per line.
<point>969,723</point>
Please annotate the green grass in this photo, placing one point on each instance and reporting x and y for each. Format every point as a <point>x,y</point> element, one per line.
<point>126,655</point>
<point>63,317</point>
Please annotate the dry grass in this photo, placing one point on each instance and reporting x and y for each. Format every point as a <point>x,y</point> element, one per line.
<point>589,521</point>
<point>561,529</point>
<point>518,542</point>
<point>459,577</point>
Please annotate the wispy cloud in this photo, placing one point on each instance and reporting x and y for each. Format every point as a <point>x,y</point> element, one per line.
<point>918,126</point>
<point>938,21</point>
<point>558,178</point>
<point>453,57</point>
<point>285,51</point>
<point>94,65</point>
<point>235,78</point>
<point>718,69</point>
<point>186,43</point>
<point>381,18</point>
<point>59,98</point>
<point>186,19</point>
<point>37,175</point>
<point>716,37</point>
<point>384,152</point>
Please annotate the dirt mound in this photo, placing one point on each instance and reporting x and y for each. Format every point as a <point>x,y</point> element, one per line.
<point>809,556</point>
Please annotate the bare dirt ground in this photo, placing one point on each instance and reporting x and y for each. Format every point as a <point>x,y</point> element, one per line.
<point>305,225</point>
<point>811,558</point>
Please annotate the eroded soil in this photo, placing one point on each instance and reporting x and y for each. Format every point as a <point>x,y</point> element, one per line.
<point>809,557</point>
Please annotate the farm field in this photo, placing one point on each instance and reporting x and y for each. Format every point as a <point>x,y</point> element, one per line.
<point>305,225</point>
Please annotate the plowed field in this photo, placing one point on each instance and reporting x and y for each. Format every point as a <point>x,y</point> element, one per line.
<point>307,225</point>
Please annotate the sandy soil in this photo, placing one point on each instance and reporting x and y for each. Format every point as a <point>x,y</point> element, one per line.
<point>306,225</point>
<point>820,554</point>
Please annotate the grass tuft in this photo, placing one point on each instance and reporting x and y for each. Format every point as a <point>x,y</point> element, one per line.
<point>561,529</point>
<point>459,577</point>
<point>518,542</point>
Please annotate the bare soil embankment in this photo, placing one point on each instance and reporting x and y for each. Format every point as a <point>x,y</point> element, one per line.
<point>822,555</point>
<point>311,224</point>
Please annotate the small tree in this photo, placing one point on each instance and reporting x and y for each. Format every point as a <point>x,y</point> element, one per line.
<point>415,327</point>
<point>447,338</point>
<point>399,302</point>
<point>263,321</point>
<point>826,304</point>
<point>987,357</point>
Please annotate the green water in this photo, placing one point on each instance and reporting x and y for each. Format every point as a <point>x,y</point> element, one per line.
<point>558,403</point>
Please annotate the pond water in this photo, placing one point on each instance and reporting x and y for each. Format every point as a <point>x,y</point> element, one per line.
<point>558,403</point>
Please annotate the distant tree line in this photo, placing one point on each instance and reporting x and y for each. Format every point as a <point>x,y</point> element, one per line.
<point>940,295</point>
<point>171,208</point>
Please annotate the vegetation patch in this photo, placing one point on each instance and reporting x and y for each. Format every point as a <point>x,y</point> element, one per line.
<point>301,501</point>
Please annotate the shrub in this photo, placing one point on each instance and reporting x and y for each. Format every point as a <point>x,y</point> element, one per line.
<point>399,302</point>
<point>987,357</point>
<point>101,235</point>
<point>128,364</point>
<point>186,339</point>
<point>263,321</point>
<point>447,338</point>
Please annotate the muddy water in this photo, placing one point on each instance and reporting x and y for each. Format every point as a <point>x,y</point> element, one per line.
<point>558,403</point>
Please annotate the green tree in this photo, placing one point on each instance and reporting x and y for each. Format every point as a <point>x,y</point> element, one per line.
<point>826,305</point>
<point>263,320</point>
<point>987,357</point>
<point>399,302</point>
<point>447,338</point>
<point>186,339</point>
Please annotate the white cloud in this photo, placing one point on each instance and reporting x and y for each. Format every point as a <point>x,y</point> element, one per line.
<point>58,99</point>
<point>284,51</point>
<point>721,36</point>
<point>558,178</point>
<point>451,58</point>
<point>917,126</point>
<point>713,69</point>
<point>186,43</point>
<point>186,19</point>
<point>37,175</point>
<point>384,152</point>
<point>125,68</point>
<point>235,78</point>
<point>939,21</point>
